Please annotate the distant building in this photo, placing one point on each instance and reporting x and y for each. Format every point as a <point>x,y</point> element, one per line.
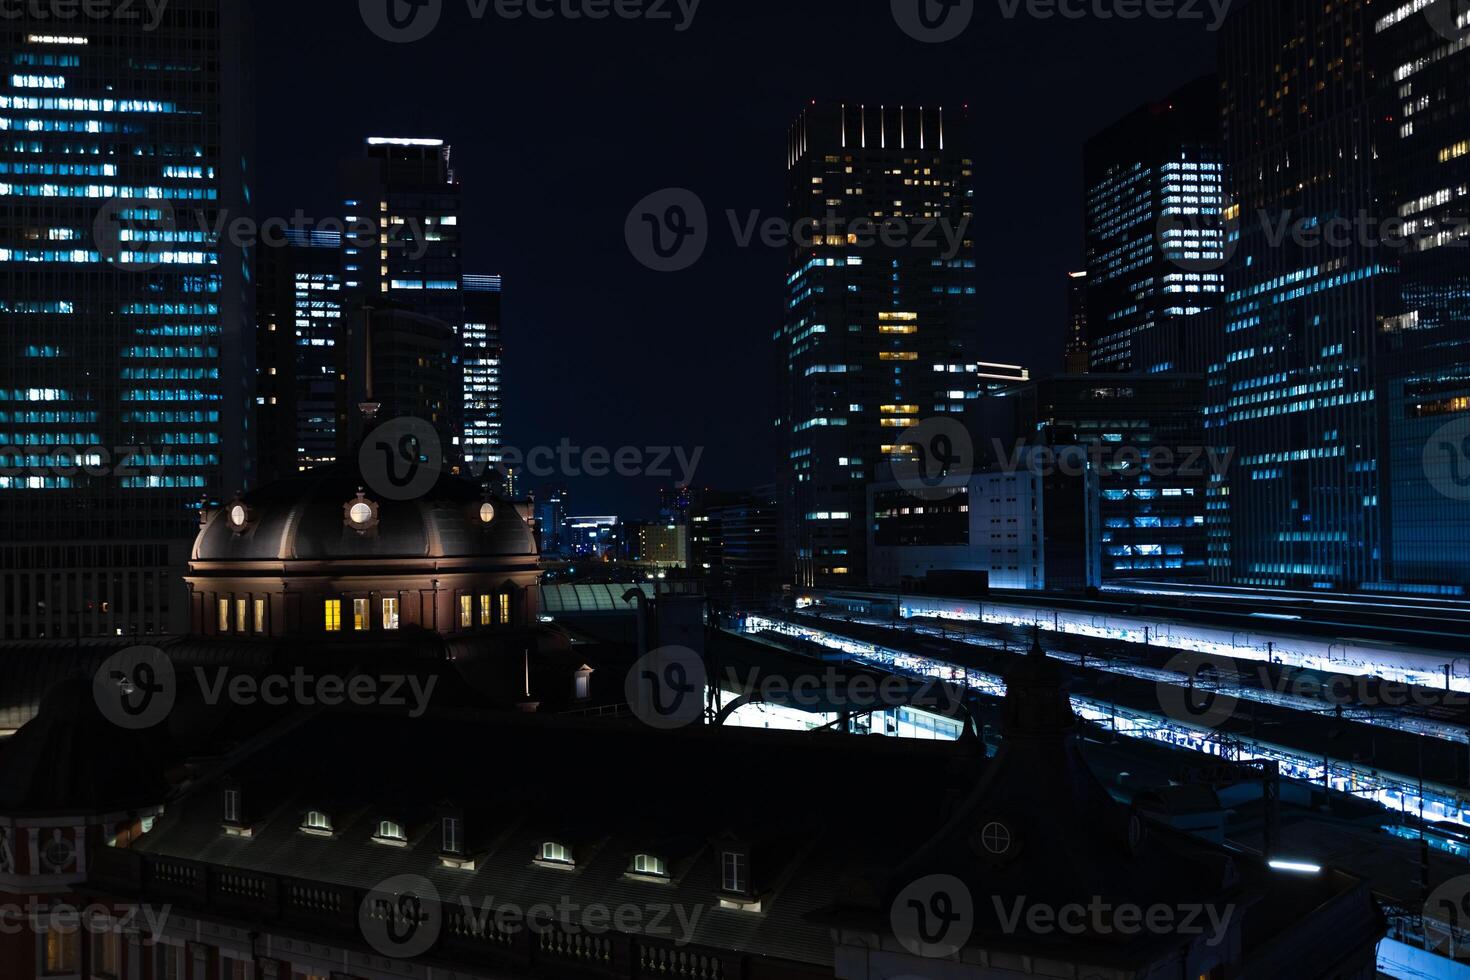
<point>1155,232</point>
<point>734,535</point>
<point>593,537</point>
<point>300,310</point>
<point>873,332</point>
<point>1077,359</point>
<point>1032,527</point>
<point>1146,434</point>
<point>551,513</point>
<point>483,352</point>
<point>403,362</point>
<point>660,545</point>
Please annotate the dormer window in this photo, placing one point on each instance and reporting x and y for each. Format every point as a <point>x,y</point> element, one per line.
<point>232,806</point>
<point>735,872</point>
<point>651,865</point>
<point>451,836</point>
<point>556,854</point>
<point>317,822</point>
<point>391,833</point>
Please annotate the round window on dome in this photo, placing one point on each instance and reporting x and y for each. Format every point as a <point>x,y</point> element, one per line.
<point>238,515</point>
<point>360,513</point>
<point>487,513</point>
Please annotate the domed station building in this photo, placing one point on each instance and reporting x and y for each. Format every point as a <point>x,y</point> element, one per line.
<point>325,556</point>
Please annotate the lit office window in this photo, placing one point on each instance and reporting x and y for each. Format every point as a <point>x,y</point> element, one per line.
<point>485,608</point>
<point>505,609</point>
<point>360,620</point>
<point>390,614</point>
<point>466,612</point>
<point>224,615</point>
<point>332,610</point>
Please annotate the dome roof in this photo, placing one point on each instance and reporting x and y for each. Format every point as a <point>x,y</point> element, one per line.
<point>316,517</point>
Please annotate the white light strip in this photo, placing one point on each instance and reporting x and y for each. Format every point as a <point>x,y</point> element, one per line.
<point>54,39</point>
<point>388,141</point>
<point>1296,866</point>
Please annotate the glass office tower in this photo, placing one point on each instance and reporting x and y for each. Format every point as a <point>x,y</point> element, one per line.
<point>483,351</point>
<point>126,362</point>
<point>1423,71</point>
<point>876,335</point>
<point>1292,377</point>
<point>1155,233</point>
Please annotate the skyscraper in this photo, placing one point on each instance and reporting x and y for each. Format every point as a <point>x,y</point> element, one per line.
<point>406,189</point>
<point>878,327</point>
<point>1078,359</point>
<point>300,322</point>
<point>483,352</point>
<point>1423,69</point>
<point>127,362</point>
<point>1292,385</point>
<point>1154,234</point>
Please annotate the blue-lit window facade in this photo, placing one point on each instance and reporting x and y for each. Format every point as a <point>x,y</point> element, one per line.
<point>1424,337</point>
<point>480,340</point>
<point>1291,376</point>
<point>124,366</point>
<point>875,337</point>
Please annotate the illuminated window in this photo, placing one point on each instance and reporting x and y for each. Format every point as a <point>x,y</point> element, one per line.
<point>733,875</point>
<point>105,953</point>
<point>332,613</point>
<point>556,853</point>
<point>260,615</point>
<point>242,618</point>
<point>452,835</point>
<point>390,614</point>
<point>466,612</point>
<point>388,830</point>
<point>647,864</point>
<point>62,953</point>
<point>485,608</point>
<point>224,615</point>
<point>505,609</point>
<point>318,821</point>
<point>232,806</point>
<point>360,621</point>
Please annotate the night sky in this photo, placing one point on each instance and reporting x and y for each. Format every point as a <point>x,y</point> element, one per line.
<point>559,127</point>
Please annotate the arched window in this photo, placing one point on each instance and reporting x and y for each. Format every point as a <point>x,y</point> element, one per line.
<point>318,821</point>
<point>648,864</point>
<point>555,853</point>
<point>390,831</point>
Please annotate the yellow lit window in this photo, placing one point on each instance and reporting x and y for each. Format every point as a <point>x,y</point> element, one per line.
<point>897,356</point>
<point>260,615</point>
<point>360,615</point>
<point>224,615</point>
<point>485,610</point>
<point>242,617</point>
<point>505,609</point>
<point>900,410</point>
<point>466,612</point>
<point>390,614</point>
<point>61,952</point>
<point>332,614</point>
